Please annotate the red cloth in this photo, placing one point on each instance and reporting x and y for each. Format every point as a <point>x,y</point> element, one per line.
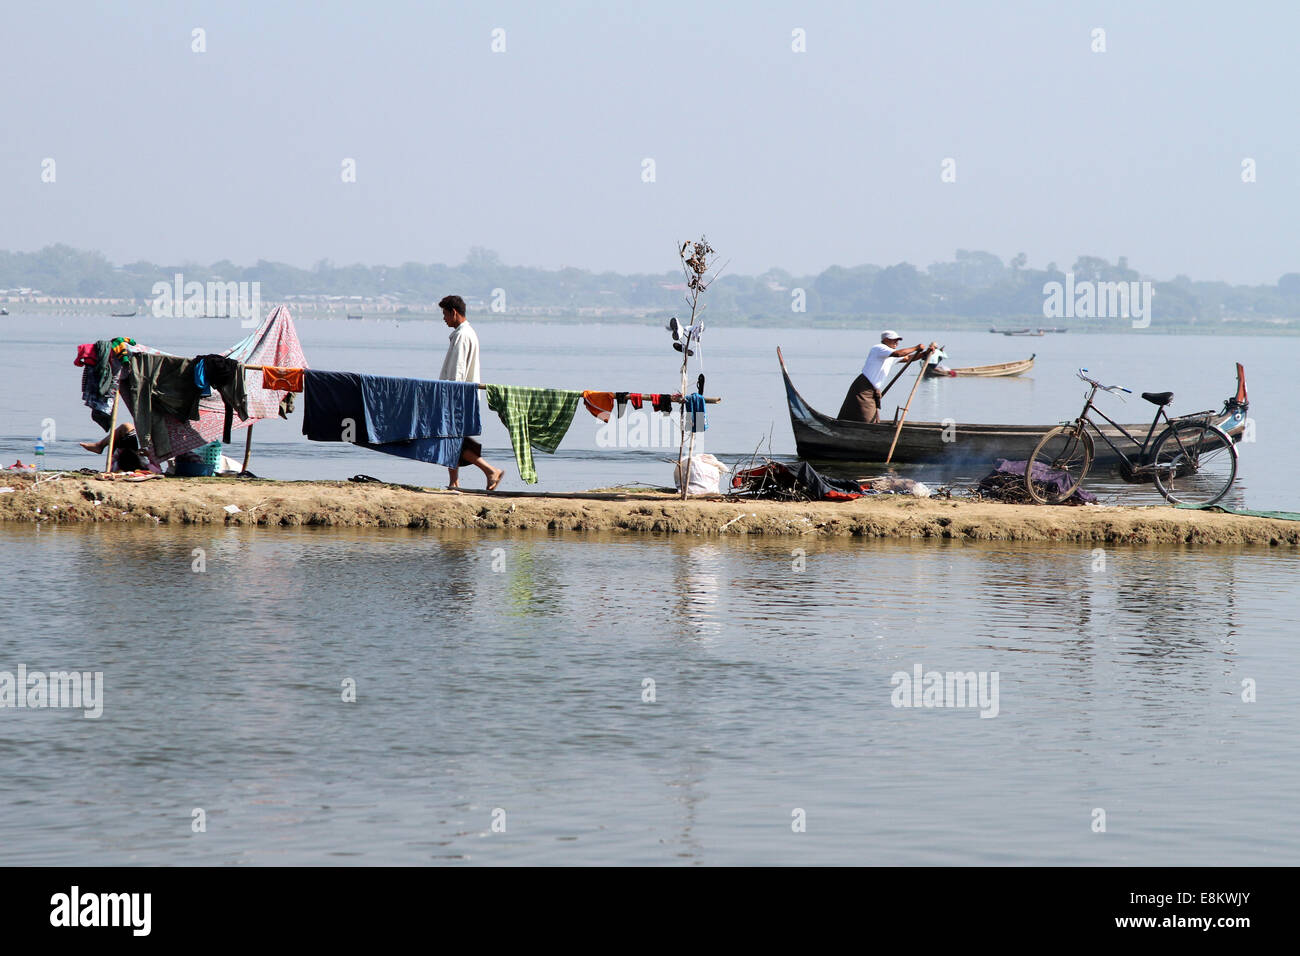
<point>635,399</point>
<point>85,354</point>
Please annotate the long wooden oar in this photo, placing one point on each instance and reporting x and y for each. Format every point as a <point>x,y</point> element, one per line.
<point>924,360</point>
<point>896,377</point>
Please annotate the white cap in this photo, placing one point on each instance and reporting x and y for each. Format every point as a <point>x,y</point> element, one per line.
<point>889,334</point>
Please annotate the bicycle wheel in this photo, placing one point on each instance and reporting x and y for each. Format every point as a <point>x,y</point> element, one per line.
<point>1194,463</point>
<point>1066,453</point>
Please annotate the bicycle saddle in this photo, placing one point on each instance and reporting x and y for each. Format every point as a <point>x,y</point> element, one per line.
<point>1158,398</point>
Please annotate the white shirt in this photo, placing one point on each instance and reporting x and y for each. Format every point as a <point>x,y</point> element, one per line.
<point>880,360</point>
<point>461,363</point>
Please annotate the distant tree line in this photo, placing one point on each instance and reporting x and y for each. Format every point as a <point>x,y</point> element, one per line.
<point>974,285</point>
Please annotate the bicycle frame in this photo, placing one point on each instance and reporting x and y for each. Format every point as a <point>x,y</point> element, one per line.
<point>1083,419</point>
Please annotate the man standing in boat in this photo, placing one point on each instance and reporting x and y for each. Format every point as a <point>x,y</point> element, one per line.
<point>461,365</point>
<point>862,403</point>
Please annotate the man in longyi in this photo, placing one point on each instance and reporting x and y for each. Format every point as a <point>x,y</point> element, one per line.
<point>862,403</point>
<point>461,365</point>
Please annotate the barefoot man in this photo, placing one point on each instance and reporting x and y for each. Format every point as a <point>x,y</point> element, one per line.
<point>461,365</point>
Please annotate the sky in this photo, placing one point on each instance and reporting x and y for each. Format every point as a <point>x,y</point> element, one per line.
<point>833,155</point>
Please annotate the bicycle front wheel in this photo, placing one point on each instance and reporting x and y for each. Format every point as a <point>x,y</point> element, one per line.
<point>1059,463</point>
<point>1194,463</point>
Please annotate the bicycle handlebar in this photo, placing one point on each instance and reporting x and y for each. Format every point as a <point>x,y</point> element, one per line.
<point>1105,388</point>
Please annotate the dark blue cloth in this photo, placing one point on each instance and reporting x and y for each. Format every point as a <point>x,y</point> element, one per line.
<point>423,419</point>
<point>696,419</point>
<point>330,401</point>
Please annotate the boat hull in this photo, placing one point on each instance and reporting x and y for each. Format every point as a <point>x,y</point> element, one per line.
<point>984,371</point>
<point>820,437</point>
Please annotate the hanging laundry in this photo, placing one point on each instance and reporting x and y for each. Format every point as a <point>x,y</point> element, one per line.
<point>535,418</point>
<point>662,402</point>
<point>282,379</point>
<point>635,399</point>
<point>85,355</point>
<point>423,419</point>
<point>332,407</point>
<point>696,418</point>
<point>226,375</point>
<point>599,404</point>
<point>104,360</point>
<point>274,342</point>
<point>201,379</point>
<point>100,404</point>
<point>621,399</point>
<point>160,386</point>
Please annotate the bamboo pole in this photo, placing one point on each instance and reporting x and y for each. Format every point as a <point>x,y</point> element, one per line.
<point>642,395</point>
<point>248,449</point>
<point>112,431</point>
<point>899,430</point>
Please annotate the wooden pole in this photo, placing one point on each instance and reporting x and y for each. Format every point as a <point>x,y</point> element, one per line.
<point>112,431</point>
<point>893,380</point>
<point>899,430</point>
<point>643,395</point>
<point>248,448</point>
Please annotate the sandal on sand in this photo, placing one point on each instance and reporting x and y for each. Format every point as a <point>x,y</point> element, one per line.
<point>365,479</point>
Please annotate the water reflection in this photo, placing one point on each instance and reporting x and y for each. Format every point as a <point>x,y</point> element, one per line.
<point>522,686</point>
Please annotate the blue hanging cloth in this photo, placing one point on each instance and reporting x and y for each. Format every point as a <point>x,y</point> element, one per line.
<point>697,419</point>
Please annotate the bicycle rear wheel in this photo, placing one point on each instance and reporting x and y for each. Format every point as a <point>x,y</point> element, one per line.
<point>1194,463</point>
<point>1066,453</point>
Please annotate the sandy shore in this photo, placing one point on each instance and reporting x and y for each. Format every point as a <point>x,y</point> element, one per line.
<point>200,501</point>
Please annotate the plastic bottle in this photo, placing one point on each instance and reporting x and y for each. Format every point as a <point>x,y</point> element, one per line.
<point>40,453</point>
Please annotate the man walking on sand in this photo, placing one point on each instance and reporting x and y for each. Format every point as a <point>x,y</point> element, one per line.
<point>461,365</point>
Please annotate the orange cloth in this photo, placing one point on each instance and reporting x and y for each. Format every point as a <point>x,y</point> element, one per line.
<point>281,379</point>
<point>599,404</point>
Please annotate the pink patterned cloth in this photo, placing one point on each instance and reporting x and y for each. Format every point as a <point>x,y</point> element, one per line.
<point>274,343</point>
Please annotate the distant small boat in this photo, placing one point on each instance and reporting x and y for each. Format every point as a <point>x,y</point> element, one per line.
<point>124,315</point>
<point>1054,330</point>
<point>351,316</point>
<point>982,371</point>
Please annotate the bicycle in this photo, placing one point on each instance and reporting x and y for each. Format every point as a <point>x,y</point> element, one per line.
<point>1193,461</point>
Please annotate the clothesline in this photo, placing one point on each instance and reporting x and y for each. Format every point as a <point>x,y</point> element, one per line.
<point>643,396</point>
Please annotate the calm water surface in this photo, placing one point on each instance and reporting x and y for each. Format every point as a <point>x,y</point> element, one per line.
<point>507,673</point>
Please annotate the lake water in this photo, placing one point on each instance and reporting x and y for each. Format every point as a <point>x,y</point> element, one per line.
<point>503,679</point>
<point>38,381</point>
<point>520,690</point>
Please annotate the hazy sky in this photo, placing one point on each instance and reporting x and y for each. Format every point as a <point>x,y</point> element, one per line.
<point>798,160</point>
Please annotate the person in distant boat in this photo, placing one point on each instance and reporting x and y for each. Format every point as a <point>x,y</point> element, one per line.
<point>461,365</point>
<point>127,454</point>
<point>862,403</point>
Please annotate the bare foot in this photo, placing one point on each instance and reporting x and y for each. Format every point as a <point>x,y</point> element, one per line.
<point>91,446</point>
<point>495,479</point>
<point>455,486</point>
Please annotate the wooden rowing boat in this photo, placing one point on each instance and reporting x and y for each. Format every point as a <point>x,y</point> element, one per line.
<point>982,371</point>
<point>820,437</point>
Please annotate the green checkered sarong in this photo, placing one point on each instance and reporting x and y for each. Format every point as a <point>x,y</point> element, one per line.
<point>536,418</point>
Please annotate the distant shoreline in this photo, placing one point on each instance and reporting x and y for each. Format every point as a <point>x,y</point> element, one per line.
<point>1234,327</point>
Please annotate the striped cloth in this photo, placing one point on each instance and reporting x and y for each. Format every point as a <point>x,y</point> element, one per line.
<point>536,418</point>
